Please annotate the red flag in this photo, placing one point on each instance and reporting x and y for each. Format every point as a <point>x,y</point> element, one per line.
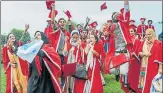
<point>68,14</point>
<point>56,12</point>
<point>103,6</point>
<point>119,60</point>
<point>48,4</point>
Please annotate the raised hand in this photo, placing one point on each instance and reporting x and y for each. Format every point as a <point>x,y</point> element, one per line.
<point>87,19</point>
<point>69,22</point>
<point>66,39</point>
<point>126,2</point>
<point>53,6</point>
<point>26,27</point>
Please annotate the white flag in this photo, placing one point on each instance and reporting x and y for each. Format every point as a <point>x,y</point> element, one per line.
<point>29,51</point>
<point>156,86</point>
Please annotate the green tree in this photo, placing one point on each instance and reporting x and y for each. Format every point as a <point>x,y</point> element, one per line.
<point>19,33</point>
<point>73,24</point>
<point>3,39</point>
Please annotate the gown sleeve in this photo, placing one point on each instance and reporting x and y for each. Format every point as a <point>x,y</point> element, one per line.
<point>5,57</point>
<point>158,55</point>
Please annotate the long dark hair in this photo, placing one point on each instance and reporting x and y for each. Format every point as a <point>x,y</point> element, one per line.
<point>8,37</point>
<point>113,19</point>
<point>16,42</point>
<point>43,37</point>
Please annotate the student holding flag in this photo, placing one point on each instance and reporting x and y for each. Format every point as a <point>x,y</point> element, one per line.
<point>45,69</point>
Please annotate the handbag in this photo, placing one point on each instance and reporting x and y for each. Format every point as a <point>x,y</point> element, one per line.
<point>81,71</point>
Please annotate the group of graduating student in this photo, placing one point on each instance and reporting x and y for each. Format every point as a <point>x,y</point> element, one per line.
<point>133,54</point>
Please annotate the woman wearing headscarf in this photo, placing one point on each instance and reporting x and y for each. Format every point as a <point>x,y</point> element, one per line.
<point>45,69</point>
<point>75,54</point>
<point>151,61</point>
<point>15,68</point>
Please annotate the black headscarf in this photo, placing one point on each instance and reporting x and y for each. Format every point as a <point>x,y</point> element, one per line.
<point>43,37</point>
<point>45,40</point>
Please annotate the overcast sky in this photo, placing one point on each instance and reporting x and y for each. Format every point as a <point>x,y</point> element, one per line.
<point>15,14</point>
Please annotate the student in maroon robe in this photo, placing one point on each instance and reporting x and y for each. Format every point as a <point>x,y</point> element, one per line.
<point>84,39</point>
<point>58,36</point>
<point>132,22</point>
<point>16,72</point>
<point>48,29</point>
<point>107,35</point>
<point>150,25</point>
<point>151,61</point>
<point>89,27</point>
<point>109,23</point>
<point>94,27</point>
<point>120,40</point>
<point>45,69</point>
<point>134,66</point>
<point>75,53</point>
<point>141,29</point>
<point>94,51</point>
<point>121,44</point>
<point>105,39</point>
<point>79,28</point>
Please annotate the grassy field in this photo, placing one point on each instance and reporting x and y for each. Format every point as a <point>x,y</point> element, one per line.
<point>111,85</point>
<point>3,79</point>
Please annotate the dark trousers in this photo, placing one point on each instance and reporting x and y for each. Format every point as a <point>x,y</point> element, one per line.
<point>62,77</point>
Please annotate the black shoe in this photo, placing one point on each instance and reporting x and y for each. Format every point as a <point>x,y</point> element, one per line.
<point>104,84</point>
<point>117,77</point>
<point>69,89</point>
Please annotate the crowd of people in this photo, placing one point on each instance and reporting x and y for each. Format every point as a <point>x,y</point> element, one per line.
<point>75,60</point>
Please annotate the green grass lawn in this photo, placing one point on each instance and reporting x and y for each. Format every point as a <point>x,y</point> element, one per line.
<point>111,85</point>
<point>3,81</point>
